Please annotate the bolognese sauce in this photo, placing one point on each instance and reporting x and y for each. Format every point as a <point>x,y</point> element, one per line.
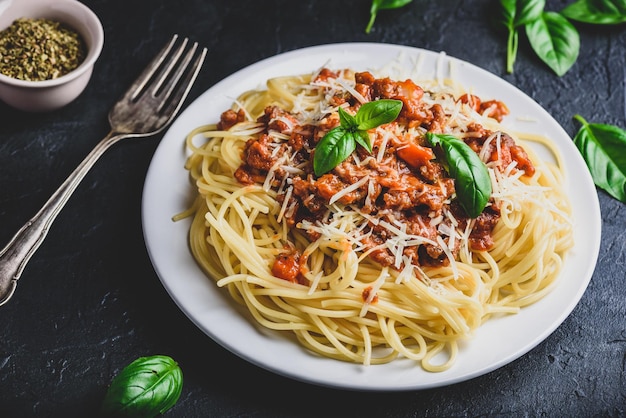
<point>401,182</point>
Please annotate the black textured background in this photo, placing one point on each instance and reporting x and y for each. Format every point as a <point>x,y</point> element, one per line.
<point>89,302</point>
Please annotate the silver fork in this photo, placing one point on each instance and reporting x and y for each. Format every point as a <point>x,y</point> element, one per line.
<point>148,106</point>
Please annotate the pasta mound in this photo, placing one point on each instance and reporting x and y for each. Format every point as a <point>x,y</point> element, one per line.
<point>340,261</point>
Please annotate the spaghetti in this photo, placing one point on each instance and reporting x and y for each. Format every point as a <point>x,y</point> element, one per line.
<point>374,260</point>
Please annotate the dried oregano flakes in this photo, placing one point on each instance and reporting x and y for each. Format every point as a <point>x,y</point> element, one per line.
<point>39,49</point>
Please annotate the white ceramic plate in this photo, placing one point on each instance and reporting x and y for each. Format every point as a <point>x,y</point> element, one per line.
<point>167,192</point>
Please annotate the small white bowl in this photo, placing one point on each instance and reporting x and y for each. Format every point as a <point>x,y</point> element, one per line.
<point>46,95</point>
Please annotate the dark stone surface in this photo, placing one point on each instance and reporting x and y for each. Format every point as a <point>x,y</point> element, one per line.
<point>89,302</point>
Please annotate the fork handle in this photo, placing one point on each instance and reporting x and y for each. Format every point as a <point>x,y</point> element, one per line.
<point>17,253</point>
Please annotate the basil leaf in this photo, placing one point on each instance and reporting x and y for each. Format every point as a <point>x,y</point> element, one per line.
<point>511,48</point>
<point>508,9</point>
<point>600,12</point>
<point>470,174</point>
<point>347,120</point>
<point>376,113</point>
<point>390,4</point>
<point>602,147</point>
<point>382,5</point>
<point>340,142</point>
<point>516,13</point>
<point>363,139</point>
<point>147,387</point>
<point>336,146</point>
<point>555,40</point>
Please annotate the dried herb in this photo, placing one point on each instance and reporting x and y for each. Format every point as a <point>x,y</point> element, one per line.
<point>39,49</point>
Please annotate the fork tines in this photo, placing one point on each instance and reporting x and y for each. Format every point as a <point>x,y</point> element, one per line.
<point>164,74</point>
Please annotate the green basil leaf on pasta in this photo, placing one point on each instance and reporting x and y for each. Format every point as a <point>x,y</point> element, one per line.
<point>340,142</point>
<point>363,139</point>
<point>373,114</point>
<point>555,40</point>
<point>147,387</point>
<point>335,146</point>
<point>471,177</point>
<point>346,120</point>
<point>599,12</point>
<point>602,147</point>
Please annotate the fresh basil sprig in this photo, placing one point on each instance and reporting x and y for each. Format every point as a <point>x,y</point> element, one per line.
<point>147,387</point>
<point>383,5</point>
<point>599,12</point>
<point>340,142</point>
<point>470,174</point>
<point>602,147</point>
<point>516,14</point>
<point>555,40</point>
